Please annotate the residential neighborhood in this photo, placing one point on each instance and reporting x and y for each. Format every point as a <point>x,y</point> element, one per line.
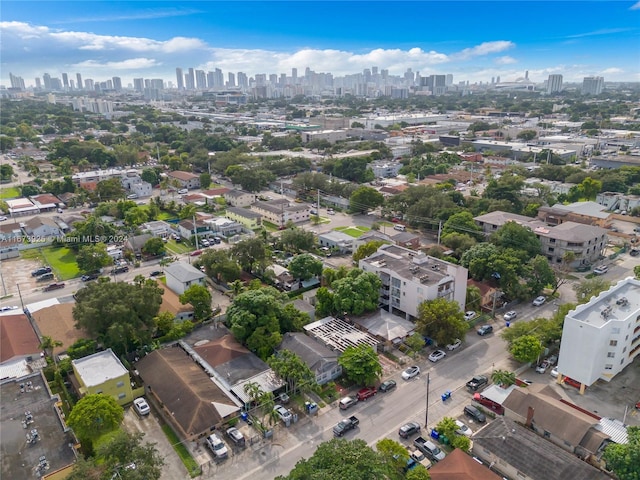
<point>228,293</point>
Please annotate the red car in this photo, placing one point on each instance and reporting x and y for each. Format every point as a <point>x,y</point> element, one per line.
<point>195,253</point>
<point>365,393</point>
<point>53,286</point>
<point>572,382</point>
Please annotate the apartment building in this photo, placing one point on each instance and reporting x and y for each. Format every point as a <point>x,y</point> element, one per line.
<point>280,212</point>
<point>410,278</point>
<point>601,337</point>
<point>239,198</point>
<point>587,242</point>
<point>104,373</point>
<point>248,218</point>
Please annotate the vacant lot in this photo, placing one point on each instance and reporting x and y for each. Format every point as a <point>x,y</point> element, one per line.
<point>61,259</point>
<point>9,192</point>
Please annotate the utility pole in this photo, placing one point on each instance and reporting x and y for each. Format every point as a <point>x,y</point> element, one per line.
<point>195,230</point>
<point>439,231</point>
<point>426,415</point>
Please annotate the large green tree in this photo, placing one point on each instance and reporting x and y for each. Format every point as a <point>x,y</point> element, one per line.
<point>297,240</point>
<point>93,257</point>
<point>364,199</point>
<point>340,459</point>
<point>624,459</point>
<point>292,369</point>
<point>220,266</point>
<point>517,237</point>
<point>526,349</point>
<point>250,254</point>
<point>367,249</point>
<point>538,275</point>
<point>95,415</point>
<point>125,449</point>
<point>305,266</point>
<point>118,314</point>
<point>462,223</point>
<point>394,455</point>
<point>87,232</point>
<point>200,299</point>
<point>154,247</point>
<point>590,287</point>
<point>361,364</point>
<point>356,293</point>
<point>442,320</point>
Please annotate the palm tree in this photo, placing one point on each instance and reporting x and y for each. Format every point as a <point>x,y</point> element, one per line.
<point>236,287</point>
<point>48,344</point>
<point>503,378</point>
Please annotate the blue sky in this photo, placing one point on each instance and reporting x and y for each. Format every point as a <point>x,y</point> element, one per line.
<point>473,40</point>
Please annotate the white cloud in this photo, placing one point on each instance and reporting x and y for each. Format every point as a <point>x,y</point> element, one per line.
<point>612,71</point>
<point>604,31</point>
<point>635,6</point>
<point>485,48</point>
<point>143,15</point>
<point>132,63</point>
<point>506,60</point>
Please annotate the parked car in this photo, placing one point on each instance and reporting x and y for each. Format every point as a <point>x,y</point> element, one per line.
<point>437,355</point>
<point>601,269</point>
<point>456,344</point>
<point>463,429</point>
<point>8,308</point>
<point>365,393</point>
<point>387,386</point>
<point>44,277</point>
<point>538,301</point>
<point>552,360</point>
<point>554,372</point>
<point>409,429</point>
<point>236,436</point>
<point>195,253</point>
<point>217,446</point>
<point>411,372</point>
<point>183,191</point>
<point>3,218</point>
<point>347,402</point>
<point>53,286</point>
<point>345,425</point>
<point>485,330</point>
<point>283,413</point>
<point>204,242</point>
<point>90,276</point>
<point>40,271</point>
<point>572,382</point>
<point>477,382</point>
<point>141,406</point>
<point>542,367</point>
<point>469,315</point>
<point>155,273</point>
<point>634,252</point>
<point>511,315</point>
<point>473,412</point>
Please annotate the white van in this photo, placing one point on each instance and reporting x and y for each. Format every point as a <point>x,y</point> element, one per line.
<point>400,228</point>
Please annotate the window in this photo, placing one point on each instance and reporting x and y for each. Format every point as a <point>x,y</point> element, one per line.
<point>552,240</point>
<point>608,366</point>
<point>547,434</point>
<point>613,343</point>
<point>551,249</point>
<point>120,384</point>
<point>611,355</point>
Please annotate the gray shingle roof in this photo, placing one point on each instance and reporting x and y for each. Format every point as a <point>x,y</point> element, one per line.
<point>184,272</point>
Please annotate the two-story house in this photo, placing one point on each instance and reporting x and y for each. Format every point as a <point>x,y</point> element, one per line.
<point>239,198</point>
<point>103,373</point>
<point>281,212</point>
<point>185,179</point>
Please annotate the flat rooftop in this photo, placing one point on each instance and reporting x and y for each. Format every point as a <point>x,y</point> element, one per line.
<point>20,459</point>
<point>615,304</point>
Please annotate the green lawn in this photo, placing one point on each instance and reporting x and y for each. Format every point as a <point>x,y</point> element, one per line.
<point>269,227</point>
<point>191,465</point>
<point>176,248</point>
<point>355,232</point>
<point>61,259</point>
<point>10,192</point>
<point>166,216</point>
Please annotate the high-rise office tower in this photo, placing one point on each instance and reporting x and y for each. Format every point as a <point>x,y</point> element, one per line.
<point>409,77</point>
<point>179,78</point>
<point>210,79</point>
<point>554,84</point>
<point>449,79</point>
<point>156,83</point>
<point>232,79</point>
<point>16,82</point>
<point>294,75</point>
<point>592,85</point>
<point>497,79</point>
<point>79,81</point>
<point>261,79</point>
<point>243,80</point>
<point>190,80</point>
<point>201,80</point>
<point>374,70</point>
<point>65,80</point>
<point>38,83</point>
<point>46,78</point>
<point>72,85</point>
<point>283,80</point>
<point>138,84</point>
<point>273,79</point>
<point>117,84</point>
<point>88,84</point>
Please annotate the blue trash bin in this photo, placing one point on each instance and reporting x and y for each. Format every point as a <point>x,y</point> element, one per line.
<point>244,416</point>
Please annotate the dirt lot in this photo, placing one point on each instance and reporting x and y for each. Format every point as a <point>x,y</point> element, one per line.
<point>17,271</point>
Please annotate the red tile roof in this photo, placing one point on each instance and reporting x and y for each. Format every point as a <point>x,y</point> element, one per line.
<point>17,337</point>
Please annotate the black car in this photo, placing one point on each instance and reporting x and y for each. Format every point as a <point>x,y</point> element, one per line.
<point>155,273</point>
<point>40,271</point>
<point>387,386</point>
<point>473,412</point>
<point>90,276</point>
<point>120,269</point>
<point>485,330</point>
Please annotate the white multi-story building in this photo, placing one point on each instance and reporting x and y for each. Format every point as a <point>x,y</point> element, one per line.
<point>280,212</point>
<point>554,83</point>
<point>601,337</point>
<point>410,278</point>
<point>592,85</point>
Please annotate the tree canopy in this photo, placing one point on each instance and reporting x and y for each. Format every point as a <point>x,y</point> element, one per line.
<point>292,369</point>
<point>361,364</point>
<point>200,299</point>
<point>364,199</point>
<point>526,349</point>
<point>95,415</point>
<point>442,320</point>
<point>356,293</point>
<point>624,459</point>
<point>118,314</point>
<point>305,266</point>
<point>220,266</point>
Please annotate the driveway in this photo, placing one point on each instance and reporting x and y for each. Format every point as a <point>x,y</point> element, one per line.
<point>173,468</point>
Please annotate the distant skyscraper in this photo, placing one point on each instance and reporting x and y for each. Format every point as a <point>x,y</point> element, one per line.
<point>232,79</point>
<point>243,80</point>
<point>79,81</point>
<point>117,84</point>
<point>138,84</point>
<point>526,75</point>
<point>46,78</point>
<point>88,84</point>
<point>273,79</point>
<point>190,80</point>
<point>592,85</point>
<point>497,80</point>
<point>449,80</point>
<point>16,82</point>
<point>294,75</point>
<point>374,70</point>
<point>38,83</point>
<point>201,80</point>
<point>180,79</point>
<point>554,84</point>
<point>65,80</point>
<point>218,78</point>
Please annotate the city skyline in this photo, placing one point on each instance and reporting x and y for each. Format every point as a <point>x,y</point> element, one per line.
<point>473,41</point>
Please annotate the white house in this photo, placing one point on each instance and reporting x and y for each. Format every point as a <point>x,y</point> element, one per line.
<point>239,198</point>
<point>41,229</point>
<point>601,337</point>
<point>185,179</point>
<point>180,276</point>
